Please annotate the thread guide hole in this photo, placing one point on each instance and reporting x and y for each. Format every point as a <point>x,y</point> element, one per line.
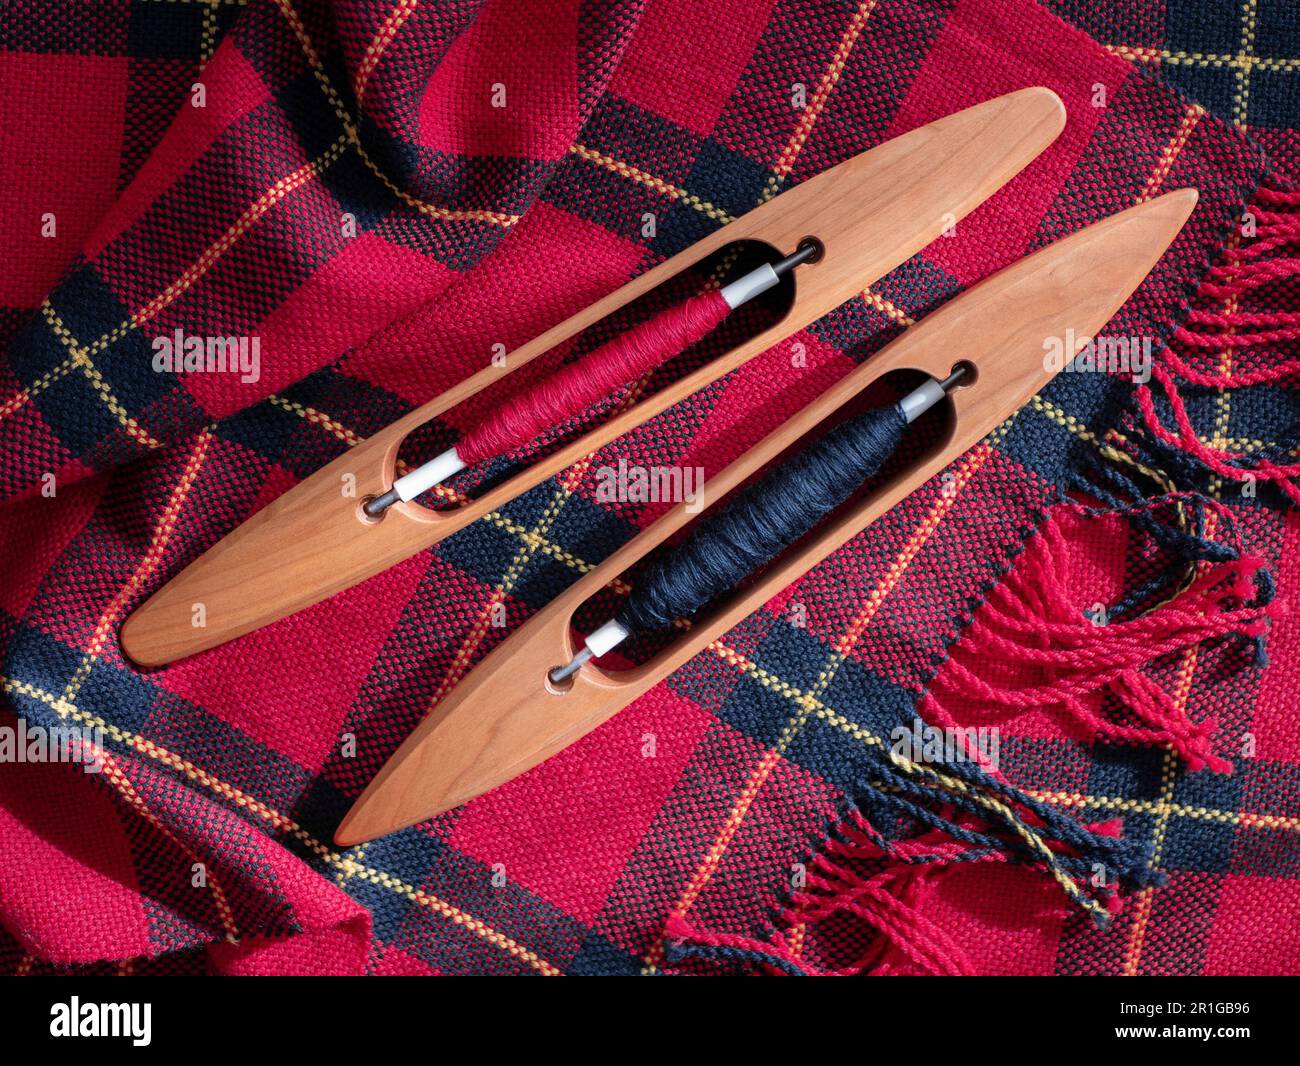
<point>559,688</point>
<point>969,373</point>
<point>819,249</point>
<point>366,517</point>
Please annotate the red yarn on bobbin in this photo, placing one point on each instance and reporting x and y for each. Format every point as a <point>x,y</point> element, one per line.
<point>577,386</point>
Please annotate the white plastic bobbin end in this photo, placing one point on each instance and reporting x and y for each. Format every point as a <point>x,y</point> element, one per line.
<point>920,400</point>
<point>744,289</point>
<point>423,478</point>
<point>607,637</point>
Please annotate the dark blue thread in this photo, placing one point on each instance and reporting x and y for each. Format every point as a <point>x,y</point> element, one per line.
<point>764,520</point>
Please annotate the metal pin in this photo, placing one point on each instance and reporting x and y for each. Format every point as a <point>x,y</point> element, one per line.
<point>958,372</point>
<point>563,673</point>
<point>929,393</point>
<point>379,504</point>
<point>806,252</point>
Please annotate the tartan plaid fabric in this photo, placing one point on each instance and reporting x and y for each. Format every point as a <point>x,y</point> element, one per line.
<point>1239,60</point>
<point>336,180</point>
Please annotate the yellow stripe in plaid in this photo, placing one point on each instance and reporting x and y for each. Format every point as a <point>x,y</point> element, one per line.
<point>353,138</point>
<point>81,359</point>
<point>375,50</point>
<point>785,162</point>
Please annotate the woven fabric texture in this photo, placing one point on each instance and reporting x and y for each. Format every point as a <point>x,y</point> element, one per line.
<point>382,191</point>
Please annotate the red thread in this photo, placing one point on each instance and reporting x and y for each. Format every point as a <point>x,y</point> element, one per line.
<point>890,886</point>
<point>1052,655</point>
<point>1266,194</point>
<point>577,386</point>
<point>1239,340</point>
<point>1259,274</point>
<point>1287,368</point>
<point>1235,336</point>
<point>1189,440</point>
<point>890,900</point>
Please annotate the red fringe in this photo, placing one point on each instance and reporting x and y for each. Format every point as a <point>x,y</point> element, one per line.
<point>1228,330</point>
<point>847,877</point>
<point>1049,654</point>
<point>891,901</point>
<point>1034,623</point>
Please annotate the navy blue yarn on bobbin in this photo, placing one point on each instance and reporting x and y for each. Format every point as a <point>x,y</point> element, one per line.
<point>763,521</point>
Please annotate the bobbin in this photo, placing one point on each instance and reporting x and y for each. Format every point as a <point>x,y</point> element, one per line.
<point>586,382</point>
<point>869,214</point>
<point>507,715</point>
<point>733,542</point>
